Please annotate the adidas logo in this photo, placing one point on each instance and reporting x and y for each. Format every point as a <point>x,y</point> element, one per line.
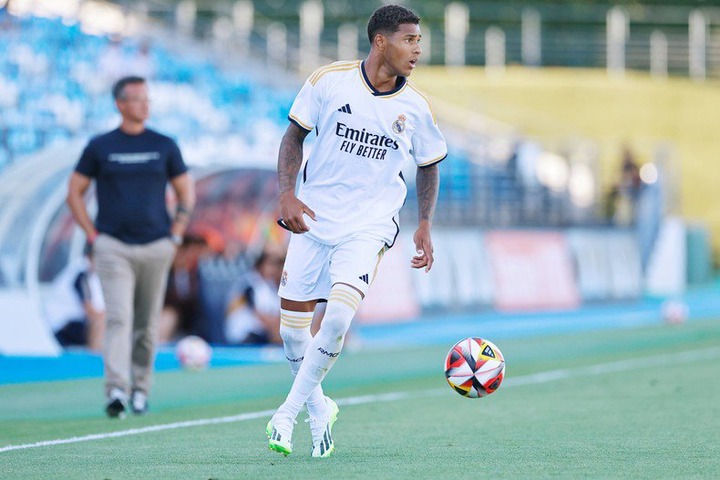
<point>345,108</point>
<point>365,278</point>
<point>326,441</point>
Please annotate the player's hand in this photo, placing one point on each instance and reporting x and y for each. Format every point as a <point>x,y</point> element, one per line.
<point>292,211</point>
<point>423,247</point>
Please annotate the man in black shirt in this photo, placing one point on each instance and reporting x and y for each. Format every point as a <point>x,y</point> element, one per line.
<point>133,237</point>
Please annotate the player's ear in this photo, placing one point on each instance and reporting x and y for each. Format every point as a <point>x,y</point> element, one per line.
<point>379,41</point>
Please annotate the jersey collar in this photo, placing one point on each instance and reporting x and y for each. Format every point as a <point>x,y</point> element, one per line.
<point>401,82</point>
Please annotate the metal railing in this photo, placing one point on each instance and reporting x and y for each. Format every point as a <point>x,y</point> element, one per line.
<point>562,34</point>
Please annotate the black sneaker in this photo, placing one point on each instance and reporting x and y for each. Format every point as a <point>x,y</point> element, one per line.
<point>138,403</point>
<point>115,407</point>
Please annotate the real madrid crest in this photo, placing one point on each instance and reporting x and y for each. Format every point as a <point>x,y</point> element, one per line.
<point>398,125</point>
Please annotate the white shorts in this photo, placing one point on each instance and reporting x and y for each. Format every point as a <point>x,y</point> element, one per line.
<point>312,268</point>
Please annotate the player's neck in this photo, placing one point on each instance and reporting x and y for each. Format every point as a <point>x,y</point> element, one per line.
<point>132,128</point>
<point>378,73</point>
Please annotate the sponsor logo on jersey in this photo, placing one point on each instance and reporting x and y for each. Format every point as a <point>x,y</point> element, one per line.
<point>365,278</point>
<point>398,125</point>
<point>363,143</point>
<point>345,108</point>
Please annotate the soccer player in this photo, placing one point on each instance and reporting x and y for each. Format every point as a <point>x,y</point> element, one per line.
<point>369,120</point>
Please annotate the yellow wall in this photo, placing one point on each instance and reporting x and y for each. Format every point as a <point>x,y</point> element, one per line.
<point>556,105</point>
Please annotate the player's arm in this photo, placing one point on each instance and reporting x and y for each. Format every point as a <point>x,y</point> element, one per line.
<point>289,161</point>
<point>427,182</point>
<point>77,186</point>
<point>184,188</point>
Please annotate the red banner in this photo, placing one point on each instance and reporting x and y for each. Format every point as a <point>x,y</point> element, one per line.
<point>532,271</point>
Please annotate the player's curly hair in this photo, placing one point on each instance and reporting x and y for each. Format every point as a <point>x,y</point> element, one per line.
<point>388,19</point>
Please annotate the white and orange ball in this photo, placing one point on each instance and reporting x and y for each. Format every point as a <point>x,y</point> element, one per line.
<point>193,353</point>
<point>474,367</point>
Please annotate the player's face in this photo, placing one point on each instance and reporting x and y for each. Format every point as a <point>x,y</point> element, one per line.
<point>403,49</point>
<point>135,103</point>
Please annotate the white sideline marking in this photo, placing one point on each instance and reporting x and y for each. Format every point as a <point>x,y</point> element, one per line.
<point>542,377</point>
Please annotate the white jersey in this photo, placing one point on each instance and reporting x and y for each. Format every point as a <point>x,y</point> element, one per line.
<point>352,178</point>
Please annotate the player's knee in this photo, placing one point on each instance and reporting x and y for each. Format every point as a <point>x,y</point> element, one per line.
<point>290,335</point>
<point>336,324</point>
<point>285,333</point>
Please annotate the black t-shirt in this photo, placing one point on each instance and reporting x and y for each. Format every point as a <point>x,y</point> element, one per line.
<point>131,174</point>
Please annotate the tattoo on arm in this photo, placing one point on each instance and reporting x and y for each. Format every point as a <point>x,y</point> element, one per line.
<point>427,181</point>
<point>290,157</point>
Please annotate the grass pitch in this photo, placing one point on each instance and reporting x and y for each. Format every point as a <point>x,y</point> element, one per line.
<point>640,403</point>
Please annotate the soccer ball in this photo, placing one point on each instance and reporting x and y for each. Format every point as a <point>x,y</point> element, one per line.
<point>474,367</point>
<point>675,312</point>
<point>193,352</point>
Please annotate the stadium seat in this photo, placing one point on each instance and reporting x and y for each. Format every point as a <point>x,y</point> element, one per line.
<point>51,59</point>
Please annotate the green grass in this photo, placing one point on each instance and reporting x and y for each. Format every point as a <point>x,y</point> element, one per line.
<point>558,106</point>
<point>643,420</point>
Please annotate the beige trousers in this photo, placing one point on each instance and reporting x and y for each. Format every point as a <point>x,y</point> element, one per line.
<point>134,279</point>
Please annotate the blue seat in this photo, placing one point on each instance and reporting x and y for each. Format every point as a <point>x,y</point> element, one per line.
<point>22,140</point>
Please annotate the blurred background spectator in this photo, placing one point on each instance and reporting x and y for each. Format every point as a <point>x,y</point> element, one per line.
<point>253,310</point>
<point>181,313</point>
<point>75,309</point>
<point>626,192</point>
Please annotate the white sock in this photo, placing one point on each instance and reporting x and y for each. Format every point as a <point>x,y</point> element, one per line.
<point>323,350</point>
<point>295,332</point>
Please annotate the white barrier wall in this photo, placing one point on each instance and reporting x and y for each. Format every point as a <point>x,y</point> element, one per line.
<point>23,329</point>
<point>509,270</point>
<point>667,267</point>
<point>461,273</point>
<point>516,270</point>
<point>607,263</point>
